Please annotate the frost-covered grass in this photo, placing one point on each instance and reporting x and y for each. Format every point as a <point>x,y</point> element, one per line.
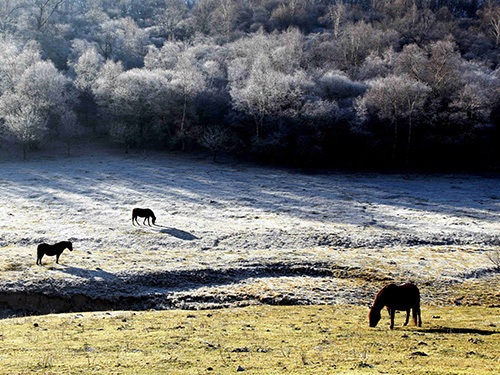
<point>259,339</point>
<point>237,224</point>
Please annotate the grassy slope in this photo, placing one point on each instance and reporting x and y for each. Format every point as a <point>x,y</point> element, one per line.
<point>261,339</point>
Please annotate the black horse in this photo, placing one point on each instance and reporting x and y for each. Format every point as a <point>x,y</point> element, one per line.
<point>404,297</point>
<point>51,250</point>
<point>146,213</point>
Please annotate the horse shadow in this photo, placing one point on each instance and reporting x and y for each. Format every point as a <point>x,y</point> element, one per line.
<point>177,233</point>
<point>88,273</point>
<point>470,331</point>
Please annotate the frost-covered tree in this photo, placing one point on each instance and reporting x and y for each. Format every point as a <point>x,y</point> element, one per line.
<point>164,58</point>
<point>10,11</point>
<point>69,128</point>
<point>87,69</point>
<point>358,40</point>
<point>335,17</point>
<point>217,139</point>
<point>376,65</point>
<point>36,104</point>
<point>123,40</point>
<point>438,66</point>
<point>41,12</point>
<point>14,60</point>
<point>187,81</point>
<point>479,92</point>
<point>395,98</point>
<point>169,21</point>
<point>267,92</point>
<point>23,122</point>
<point>133,101</point>
<point>491,18</point>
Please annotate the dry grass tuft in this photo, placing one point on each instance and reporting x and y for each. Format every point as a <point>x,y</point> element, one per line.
<point>14,266</point>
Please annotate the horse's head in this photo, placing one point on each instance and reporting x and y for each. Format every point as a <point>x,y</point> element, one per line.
<point>374,317</point>
<point>69,245</point>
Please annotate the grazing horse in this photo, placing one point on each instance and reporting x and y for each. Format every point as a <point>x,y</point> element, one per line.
<point>51,250</point>
<point>146,213</point>
<point>404,297</point>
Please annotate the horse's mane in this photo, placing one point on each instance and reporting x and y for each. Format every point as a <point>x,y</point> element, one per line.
<point>379,301</point>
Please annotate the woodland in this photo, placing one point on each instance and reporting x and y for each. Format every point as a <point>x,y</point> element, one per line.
<point>313,83</point>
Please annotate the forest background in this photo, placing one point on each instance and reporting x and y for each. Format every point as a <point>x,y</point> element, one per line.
<point>316,83</point>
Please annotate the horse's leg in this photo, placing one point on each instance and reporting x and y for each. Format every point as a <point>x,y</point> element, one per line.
<point>133,220</point>
<point>57,258</point>
<point>407,318</point>
<point>39,260</point>
<point>416,315</point>
<point>393,313</point>
<point>149,222</point>
<point>144,222</point>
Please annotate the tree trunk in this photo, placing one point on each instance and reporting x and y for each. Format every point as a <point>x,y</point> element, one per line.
<point>395,146</point>
<point>184,109</point>
<point>183,121</point>
<point>408,146</point>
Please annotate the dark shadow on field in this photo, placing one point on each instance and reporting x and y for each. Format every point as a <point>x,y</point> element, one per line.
<point>157,290</point>
<point>88,273</point>
<point>177,233</point>
<point>470,331</point>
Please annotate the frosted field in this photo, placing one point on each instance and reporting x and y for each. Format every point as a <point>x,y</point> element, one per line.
<point>232,234</point>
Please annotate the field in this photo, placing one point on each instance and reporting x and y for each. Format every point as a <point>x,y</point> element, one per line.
<point>256,339</point>
<point>242,237</point>
<point>231,234</point>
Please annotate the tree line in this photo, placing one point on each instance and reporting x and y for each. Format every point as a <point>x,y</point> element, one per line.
<point>380,83</point>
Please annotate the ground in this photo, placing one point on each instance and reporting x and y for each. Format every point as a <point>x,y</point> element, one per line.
<point>317,339</point>
<point>235,234</point>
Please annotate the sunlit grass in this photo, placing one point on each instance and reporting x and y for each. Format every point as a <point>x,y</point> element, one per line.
<point>260,339</point>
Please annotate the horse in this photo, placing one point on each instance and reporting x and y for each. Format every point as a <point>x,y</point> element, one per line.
<point>404,297</point>
<point>51,250</point>
<point>146,213</point>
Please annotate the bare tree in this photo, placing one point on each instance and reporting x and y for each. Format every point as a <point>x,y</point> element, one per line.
<point>491,18</point>
<point>23,122</point>
<point>267,92</point>
<point>33,99</point>
<point>42,11</point>
<point>87,69</point>
<point>216,139</point>
<point>395,98</point>
<point>335,16</point>
<point>187,81</point>
<point>9,14</point>
<point>167,21</point>
<point>133,101</point>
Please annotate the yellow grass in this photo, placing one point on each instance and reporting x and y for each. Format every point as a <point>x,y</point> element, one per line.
<point>260,339</point>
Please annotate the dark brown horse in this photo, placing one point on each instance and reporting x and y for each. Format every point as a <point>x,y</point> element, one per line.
<point>51,250</point>
<point>404,297</point>
<point>146,213</point>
